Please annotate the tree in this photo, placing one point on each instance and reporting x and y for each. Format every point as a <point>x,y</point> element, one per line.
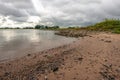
<point>56,27</point>
<point>39,27</point>
<point>46,27</point>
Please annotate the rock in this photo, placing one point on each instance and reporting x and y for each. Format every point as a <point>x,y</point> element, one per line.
<point>32,78</point>
<point>90,36</point>
<point>118,70</point>
<point>102,39</point>
<point>108,66</point>
<point>105,60</point>
<point>108,41</point>
<point>29,55</point>
<point>46,78</point>
<point>106,76</point>
<point>55,69</point>
<point>7,74</point>
<point>1,78</point>
<point>111,78</point>
<point>107,72</point>
<point>80,59</point>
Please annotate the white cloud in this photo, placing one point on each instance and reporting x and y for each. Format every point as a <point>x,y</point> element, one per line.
<point>57,12</point>
<point>34,19</point>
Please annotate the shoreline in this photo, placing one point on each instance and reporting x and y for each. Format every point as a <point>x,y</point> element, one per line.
<point>89,58</point>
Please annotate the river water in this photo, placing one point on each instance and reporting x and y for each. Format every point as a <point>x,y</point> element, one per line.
<point>18,43</point>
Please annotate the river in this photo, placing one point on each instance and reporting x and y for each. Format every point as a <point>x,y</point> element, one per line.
<point>18,43</point>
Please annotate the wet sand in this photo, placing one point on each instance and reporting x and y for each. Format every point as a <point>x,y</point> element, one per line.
<point>93,57</point>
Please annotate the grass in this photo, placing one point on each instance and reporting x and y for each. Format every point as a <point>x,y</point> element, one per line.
<point>110,25</point>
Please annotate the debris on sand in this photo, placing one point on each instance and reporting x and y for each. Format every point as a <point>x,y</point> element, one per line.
<point>108,41</point>
<point>72,33</point>
<point>107,72</point>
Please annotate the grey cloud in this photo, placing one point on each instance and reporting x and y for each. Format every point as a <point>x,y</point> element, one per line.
<point>18,19</point>
<point>62,12</point>
<point>18,9</point>
<point>9,10</point>
<point>19,4</point>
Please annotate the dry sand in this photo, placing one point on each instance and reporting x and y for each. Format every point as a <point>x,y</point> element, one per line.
<point>94,57</point>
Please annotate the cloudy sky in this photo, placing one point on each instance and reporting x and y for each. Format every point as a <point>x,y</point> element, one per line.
<point>21,13</point>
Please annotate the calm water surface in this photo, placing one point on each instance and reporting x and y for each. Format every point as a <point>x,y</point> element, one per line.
<point>18,43</point>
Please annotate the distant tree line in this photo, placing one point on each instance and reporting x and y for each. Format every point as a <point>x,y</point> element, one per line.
<point>28,28</point>
<point>46,27</point>
<point>36,27</point>
<point>10,28</point>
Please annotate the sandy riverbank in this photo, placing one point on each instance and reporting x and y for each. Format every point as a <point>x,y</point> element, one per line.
<point>93,57</point>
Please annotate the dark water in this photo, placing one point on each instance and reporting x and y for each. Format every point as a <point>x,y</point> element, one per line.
<point>18,43</point>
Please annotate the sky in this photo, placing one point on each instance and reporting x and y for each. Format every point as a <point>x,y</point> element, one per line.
<point>28,13</point>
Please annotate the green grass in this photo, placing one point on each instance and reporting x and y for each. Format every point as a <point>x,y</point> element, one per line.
<point>116,30</point>
<point>111,25</point>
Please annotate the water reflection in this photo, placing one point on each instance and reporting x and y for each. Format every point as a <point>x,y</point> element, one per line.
<point>34,37</point>
<point>8,34</point>
<point>17,43</point>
